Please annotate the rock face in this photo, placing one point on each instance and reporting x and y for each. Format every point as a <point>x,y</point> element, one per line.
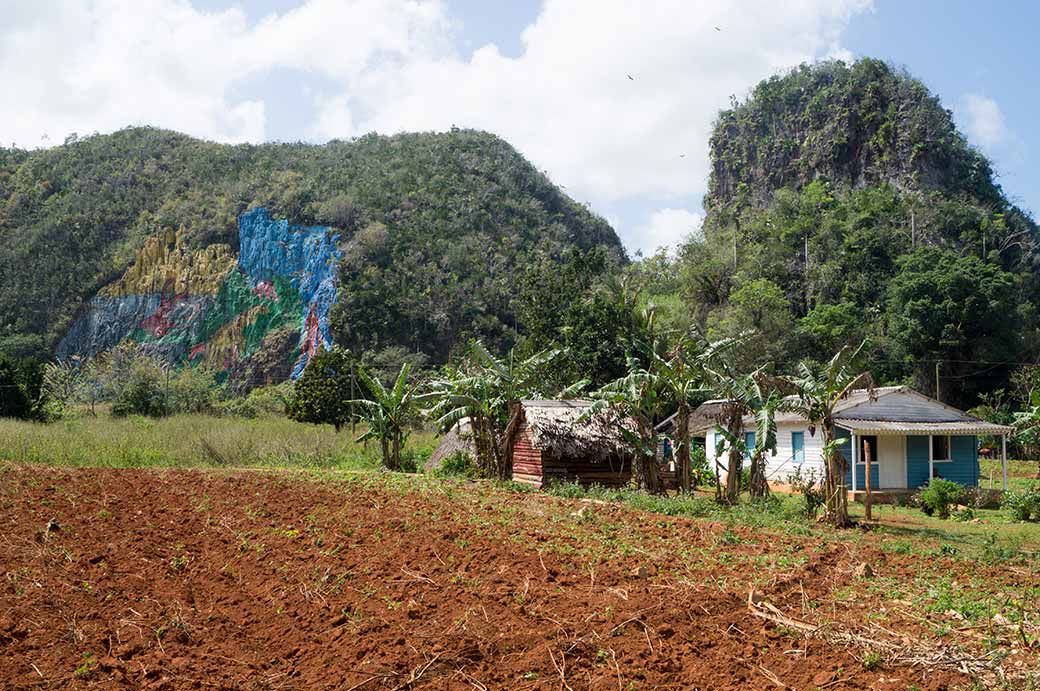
<point>307,256</point>
<point>208,307</point>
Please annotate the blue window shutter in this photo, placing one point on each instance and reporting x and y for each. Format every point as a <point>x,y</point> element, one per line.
<point>798,447</point>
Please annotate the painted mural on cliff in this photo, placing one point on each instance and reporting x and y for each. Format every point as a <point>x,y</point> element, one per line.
<point>207,306</point>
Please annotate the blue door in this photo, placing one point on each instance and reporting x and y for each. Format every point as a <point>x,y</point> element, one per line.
<point>749,443</point>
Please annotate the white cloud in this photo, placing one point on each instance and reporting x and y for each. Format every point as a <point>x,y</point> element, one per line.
<point>983,121</point>
<point>99,65</point>
<point>665,228</point>
<point>566,101</point>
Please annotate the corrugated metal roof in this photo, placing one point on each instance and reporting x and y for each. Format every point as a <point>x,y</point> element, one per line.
<point>893,410</point>
<point>883,427</point>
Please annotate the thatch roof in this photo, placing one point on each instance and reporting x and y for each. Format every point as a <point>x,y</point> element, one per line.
<point>564,428</point>
<point>457,439</point>
<point>704,416</point>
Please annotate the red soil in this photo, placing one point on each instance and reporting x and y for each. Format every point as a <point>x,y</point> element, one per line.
<point>192,580</point>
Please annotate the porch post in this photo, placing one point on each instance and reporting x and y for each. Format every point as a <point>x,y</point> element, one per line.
<point>1003,459</point>
<point>855,450</point>
<point>931,463</point>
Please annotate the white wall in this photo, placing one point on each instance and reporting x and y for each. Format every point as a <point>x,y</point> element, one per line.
<point>781,465</point>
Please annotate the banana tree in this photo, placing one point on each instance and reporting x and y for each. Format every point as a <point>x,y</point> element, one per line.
<point>388,412</point>
<point>819,389</point>
<point>1027,426</point>
<point>747,395</point>
<point>480,389</point>
<point>683,375</point>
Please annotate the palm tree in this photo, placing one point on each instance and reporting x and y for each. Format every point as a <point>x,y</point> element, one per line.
<point>389,412</point>
<point>481,389</point>
<point>819,389</point>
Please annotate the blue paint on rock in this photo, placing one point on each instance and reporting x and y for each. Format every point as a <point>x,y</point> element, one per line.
<point>307,256</point>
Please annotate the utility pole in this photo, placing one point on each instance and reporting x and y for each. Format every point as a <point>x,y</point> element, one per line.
<point>937,363</point>
<point>806,274</point>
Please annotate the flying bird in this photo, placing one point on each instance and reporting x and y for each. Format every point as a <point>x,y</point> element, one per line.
<point>718,29</point>
<point>630,77</point>
<point>682,155</point>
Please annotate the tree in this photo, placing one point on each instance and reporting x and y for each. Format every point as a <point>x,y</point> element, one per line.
<point>388,412</point>
<point>1027,427</point>
<point>480,389</point>
<point>759,304</point>
<point>958,309</point>
<point>64,382</point>
<point>748,395</point>
<point>22,394</point>
<point>324,393</point>
<point>636,398</point>
<point>819,389</point>
<point>575,306</point>
<point>683,376</point>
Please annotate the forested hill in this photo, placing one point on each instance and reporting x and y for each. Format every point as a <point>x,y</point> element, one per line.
<point>843,203</point>
<point>428,229</point>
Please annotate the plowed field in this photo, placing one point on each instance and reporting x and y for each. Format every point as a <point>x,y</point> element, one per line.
<point>247,580</point>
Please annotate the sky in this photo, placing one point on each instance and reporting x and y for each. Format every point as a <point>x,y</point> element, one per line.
<point>613,99</point>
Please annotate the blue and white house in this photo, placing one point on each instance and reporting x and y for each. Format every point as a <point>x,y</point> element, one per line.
<point>911,438</point>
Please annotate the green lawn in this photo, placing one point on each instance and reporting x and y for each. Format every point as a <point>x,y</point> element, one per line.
<point>1020,473</point>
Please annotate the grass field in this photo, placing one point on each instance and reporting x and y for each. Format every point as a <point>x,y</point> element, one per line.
<point>192,441</point>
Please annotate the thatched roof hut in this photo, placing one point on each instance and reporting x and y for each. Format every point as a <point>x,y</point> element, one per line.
<point>703,417</point>
<point>458,439</point>
<point>560,441</point>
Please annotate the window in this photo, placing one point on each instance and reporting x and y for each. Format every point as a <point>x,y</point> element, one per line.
<point>941,448</point>
<point>798,447</point>
<point>749,444</point>
<point>864,443</point>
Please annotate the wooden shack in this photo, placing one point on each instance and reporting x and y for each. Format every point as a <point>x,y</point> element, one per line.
<point>556,441</point>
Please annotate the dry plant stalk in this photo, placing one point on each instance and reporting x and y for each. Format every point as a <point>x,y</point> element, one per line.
<point>912,654</point>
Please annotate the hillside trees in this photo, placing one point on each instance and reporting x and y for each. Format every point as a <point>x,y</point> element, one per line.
<point>826,184</point>
<point>960,310</point>
<point>438,225</point>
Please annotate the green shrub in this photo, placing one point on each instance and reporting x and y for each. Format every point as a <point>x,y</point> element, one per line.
<point>939,496</point>
<point>699,468</point>
<point>810,487</point>
<point>263,401</point>
<point>193,390</point>
<point>458,464</point>
<point>22,392</point>
<point>413,459</point>
<point>567,490</point>
<point>143,393</point>
<point>1024,505</point>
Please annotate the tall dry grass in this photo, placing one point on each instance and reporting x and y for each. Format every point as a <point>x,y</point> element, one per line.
<point>192,440</point>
